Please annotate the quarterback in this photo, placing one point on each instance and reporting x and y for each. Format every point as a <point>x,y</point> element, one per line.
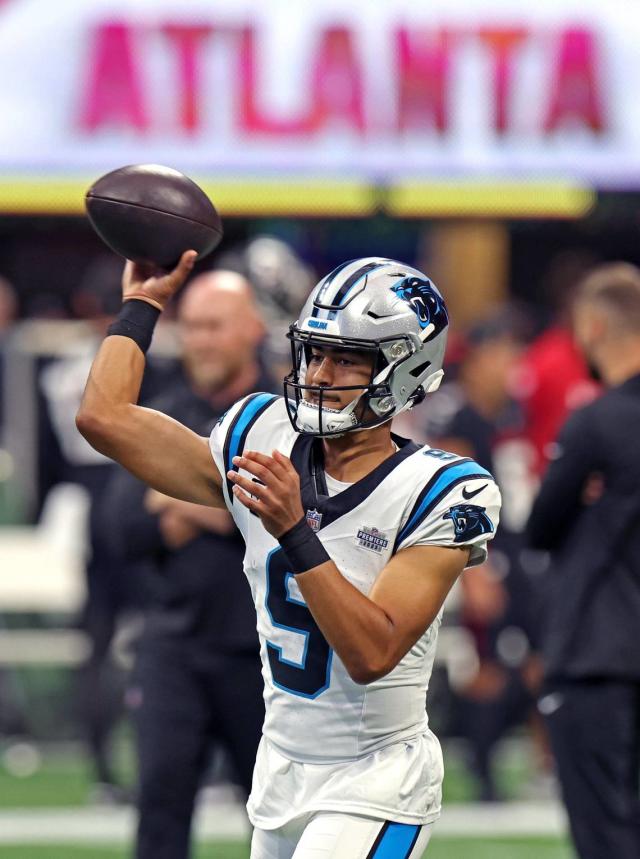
<point>354,536</point>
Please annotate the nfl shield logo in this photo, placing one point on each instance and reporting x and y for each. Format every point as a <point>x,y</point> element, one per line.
<point>314,519</point>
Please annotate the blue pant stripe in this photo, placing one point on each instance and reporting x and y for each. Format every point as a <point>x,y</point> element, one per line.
<point>397,841</point>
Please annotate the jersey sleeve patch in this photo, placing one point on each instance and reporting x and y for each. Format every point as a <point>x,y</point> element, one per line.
<point>469,521</point>
<point>442,482</point>
<point>459,506</point>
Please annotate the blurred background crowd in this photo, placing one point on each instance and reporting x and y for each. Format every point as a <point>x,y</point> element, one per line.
<point>513,374</point>
<point>498,155</point>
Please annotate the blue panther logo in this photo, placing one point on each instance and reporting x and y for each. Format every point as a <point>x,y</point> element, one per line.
<point>469,521</point>
<point>425,302</point>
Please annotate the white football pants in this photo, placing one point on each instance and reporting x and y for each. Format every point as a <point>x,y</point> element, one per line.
<point>331,835</point>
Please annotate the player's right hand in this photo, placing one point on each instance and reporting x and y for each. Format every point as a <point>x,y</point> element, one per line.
<point>153,285</point>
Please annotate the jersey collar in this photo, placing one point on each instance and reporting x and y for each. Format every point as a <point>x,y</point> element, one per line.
<point>334,507</point>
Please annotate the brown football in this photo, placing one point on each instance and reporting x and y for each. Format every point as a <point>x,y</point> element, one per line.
<point>152,214</point>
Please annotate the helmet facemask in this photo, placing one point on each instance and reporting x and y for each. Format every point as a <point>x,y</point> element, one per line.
<point>373,403</point>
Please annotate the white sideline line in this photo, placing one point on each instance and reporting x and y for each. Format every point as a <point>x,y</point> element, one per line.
<point>228,821</point>
<point>506,818</point>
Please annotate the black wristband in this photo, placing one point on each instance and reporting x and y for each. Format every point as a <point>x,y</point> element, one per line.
<point>303,548</point>
<point>136,320</point>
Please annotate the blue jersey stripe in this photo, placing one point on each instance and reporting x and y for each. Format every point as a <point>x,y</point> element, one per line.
<point>397,842</point>
<point>246,417</point>
<point>443,482</point>
<point>241,425</point>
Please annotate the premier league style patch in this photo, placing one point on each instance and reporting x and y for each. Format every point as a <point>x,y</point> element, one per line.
<point>371,538</point>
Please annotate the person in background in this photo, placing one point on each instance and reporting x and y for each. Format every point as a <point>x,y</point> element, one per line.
<point>553,377</point>
<point>282,281</point>
<point>65,457</point>
<point>9,505</point>
<point>196,679</point>
<point>8,315</point>
<point>11,709</point>
<point>587,515</point>
<point>477,416</point>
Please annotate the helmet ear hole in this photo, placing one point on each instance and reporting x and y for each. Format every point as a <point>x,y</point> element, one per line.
<point>379,364</point>
<point>420,369</point>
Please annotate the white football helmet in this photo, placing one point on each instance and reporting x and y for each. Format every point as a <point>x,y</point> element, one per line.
<point>377,305</point>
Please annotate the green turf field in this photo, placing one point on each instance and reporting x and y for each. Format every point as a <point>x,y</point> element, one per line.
<point>62,780</point>
<point>440,848</point>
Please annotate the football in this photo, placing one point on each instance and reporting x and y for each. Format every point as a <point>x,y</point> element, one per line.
<point>152,214</point>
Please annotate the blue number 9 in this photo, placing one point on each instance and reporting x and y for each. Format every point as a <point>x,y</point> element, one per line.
<point>310,677</point>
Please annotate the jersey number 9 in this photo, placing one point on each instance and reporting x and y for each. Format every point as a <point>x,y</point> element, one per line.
<point>310,676</point>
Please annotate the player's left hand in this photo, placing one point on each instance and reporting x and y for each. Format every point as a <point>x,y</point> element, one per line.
<point>275,494</point>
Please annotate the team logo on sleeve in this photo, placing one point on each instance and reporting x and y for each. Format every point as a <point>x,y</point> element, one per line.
<point>425,302</point>
<point>469,521</point>
<point>371,538</point>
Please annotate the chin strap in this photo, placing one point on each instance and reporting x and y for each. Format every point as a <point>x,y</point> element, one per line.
<point>333,420</point>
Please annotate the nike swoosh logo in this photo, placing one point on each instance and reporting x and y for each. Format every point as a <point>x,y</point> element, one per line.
<point>466,494</point>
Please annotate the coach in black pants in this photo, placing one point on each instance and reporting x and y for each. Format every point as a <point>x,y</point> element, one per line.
<point>588,516</point>
<point>197,678</point>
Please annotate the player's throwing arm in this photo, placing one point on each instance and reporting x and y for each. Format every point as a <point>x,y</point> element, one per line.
<point>158,450</point>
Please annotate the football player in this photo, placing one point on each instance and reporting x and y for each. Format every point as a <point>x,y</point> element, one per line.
<point>354,537</point>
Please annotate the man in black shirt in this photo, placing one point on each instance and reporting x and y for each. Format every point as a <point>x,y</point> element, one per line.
<point>111,598</point>
<point>197,676</point>
<point>477,416</point>
<point>588,516</point>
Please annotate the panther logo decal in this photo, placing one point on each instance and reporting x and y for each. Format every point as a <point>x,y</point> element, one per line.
<point>469,521</point>
<point>425,302</point>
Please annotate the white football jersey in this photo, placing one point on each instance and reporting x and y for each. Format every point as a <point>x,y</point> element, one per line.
<point>419,496</point>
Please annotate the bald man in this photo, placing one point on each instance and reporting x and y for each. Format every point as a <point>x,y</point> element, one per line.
<point>197,681</point>
<point>220,330</point>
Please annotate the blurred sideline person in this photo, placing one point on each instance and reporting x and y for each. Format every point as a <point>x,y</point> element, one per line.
<point>8,315</point>
<point>354,538</point>
<point>588,516</point>
<point>282,282</point>
<point>10,502</point>
<point>553,376</point>
<point>197,676</point>
<point>476,416</point>
<point>12,717</point>
<point>65,457</point>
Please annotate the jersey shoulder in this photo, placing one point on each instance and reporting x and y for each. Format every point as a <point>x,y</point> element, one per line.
<point>257,422</point>
<point>455,502</point>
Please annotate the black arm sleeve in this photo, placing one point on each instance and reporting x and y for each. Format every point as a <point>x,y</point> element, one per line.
<point>560,496</point>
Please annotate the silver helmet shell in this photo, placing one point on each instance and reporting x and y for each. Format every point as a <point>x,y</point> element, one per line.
<point>374,304</point>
